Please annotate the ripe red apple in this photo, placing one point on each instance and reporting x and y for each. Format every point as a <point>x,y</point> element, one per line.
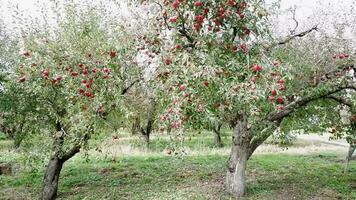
<point>58,78</point>
<point>74,74</point>
<point>280,100</point>
<point>168,61</point>
<point>182,87</point>
<point>22,79</point>
<point>85,72</point>
<point>206,83</point>
<point>198,3</point>
<point>280,107</point>
<point>281,87</point>
<point>173,19</point>
<point>276,63</point>
<point>281,81</point>
<point>271,98</point>
<point>274,92</point>
<point>206,10</point>
<point>112,54</point>
<point>89,94</point>
<point>81,91</point>
<point>45,73</point>
<point>256,68</point>
<point>26,54</point>
<point>175,4</point>
<point>232,3</point>
<point>178,46</point>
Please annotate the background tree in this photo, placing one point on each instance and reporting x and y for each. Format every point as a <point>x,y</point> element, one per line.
<point>70,76</point>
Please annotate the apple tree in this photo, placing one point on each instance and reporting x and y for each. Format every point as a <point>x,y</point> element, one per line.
<point>221,58</point>
<point>69,77</point>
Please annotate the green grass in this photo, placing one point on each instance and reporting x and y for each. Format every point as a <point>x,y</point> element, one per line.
<point>270,176</point>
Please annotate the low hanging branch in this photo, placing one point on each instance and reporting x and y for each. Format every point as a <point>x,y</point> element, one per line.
<point>289,38</point>
<point>277,117</point>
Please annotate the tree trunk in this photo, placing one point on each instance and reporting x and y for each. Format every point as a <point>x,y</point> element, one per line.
<point>218,141</point>
<point>235,176</point>
<point>50,181</point>
<point>217,131</point>
<point>146,136</point>
<point>352,148</point>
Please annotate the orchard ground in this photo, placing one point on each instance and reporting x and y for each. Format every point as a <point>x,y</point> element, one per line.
<point>124,169</point>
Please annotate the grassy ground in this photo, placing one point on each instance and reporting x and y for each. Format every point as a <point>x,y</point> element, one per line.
<point>154,175</point>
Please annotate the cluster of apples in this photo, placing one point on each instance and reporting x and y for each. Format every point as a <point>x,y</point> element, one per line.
<point>341,56</point>
<point>86,73</point>
<point>274,93</point>
<point>202,10</point>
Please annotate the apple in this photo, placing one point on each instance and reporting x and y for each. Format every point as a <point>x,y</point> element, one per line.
<point>232,3</point>
<point>271,98</point>
<point>280,100</point>
<point>280,81</point>
<point>182,87</point>
<point>198,3</point>
<point>206,83</point>
<point>45,73</point>
<point>274,92</point>
<point>173,19</point>
<point>281,87</point>
<point>81,91</point>
<point>74,74</point>
<point>112,54</point>
<point>22,79</point>
<point>280,107</point>
<point>206,10</point>
<point>175,4</point>
<point>256,68</point>
<point>168,61</point>
<point>26,54</point>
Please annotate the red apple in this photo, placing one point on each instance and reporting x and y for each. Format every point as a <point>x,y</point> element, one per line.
<point>74,74</point>
<point>271,98</point>
<point>22,79</point>
<point>198,3</point>
<point>206,83</point>
<point>274,92</point>
<point>280,100</point>
<point>280,107</point>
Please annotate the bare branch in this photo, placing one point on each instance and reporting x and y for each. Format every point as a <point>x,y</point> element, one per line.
<point>125,90</point>
<point>288,39</point>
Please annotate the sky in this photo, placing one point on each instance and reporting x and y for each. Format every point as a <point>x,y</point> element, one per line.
<point>306,13</point>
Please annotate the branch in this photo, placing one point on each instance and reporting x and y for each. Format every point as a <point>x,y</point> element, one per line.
<point>277,117</point>
<point>125,90</point>
<point>71,153</point>
<point>164,17</point>
<point>288,39</point>
<point>341,100</point>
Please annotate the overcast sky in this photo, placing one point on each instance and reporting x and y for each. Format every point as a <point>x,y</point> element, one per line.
<point>307,11</point>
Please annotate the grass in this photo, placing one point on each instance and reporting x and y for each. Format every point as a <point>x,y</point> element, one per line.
<point>158,176</point>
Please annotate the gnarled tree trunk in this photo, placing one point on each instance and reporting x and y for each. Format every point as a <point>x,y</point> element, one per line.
<point>240,153</point>
<point>51,178</point>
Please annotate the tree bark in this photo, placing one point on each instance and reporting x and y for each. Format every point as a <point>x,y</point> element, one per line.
<point>51,178</point>
<point>235,176</point>
<point>217,131</point>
